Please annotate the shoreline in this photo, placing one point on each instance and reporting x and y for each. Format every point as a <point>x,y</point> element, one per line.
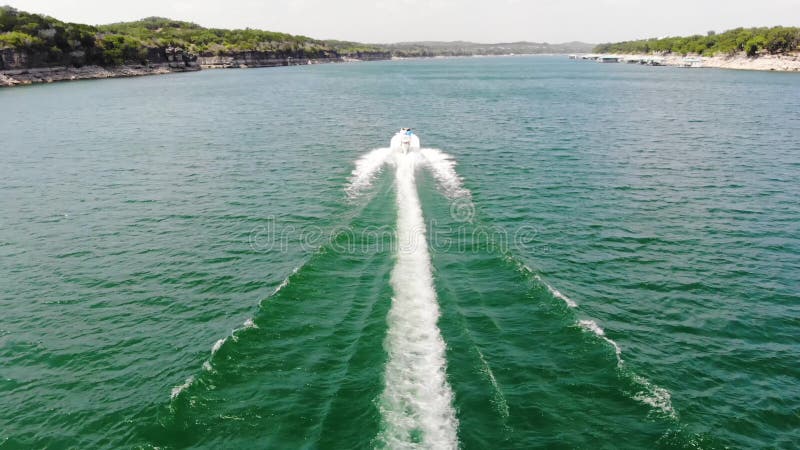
<point>765,63</point>
<point>24,77</point>
<point>41,75</point>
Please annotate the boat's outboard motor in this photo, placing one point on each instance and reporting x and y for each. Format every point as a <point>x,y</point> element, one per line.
<point>405,141</point>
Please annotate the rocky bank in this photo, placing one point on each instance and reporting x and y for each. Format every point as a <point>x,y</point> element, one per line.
<point>780,63</point>
<point>272,59</point>
<point>20,67</point>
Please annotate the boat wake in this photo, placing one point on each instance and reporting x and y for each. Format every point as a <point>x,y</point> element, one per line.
<point>208,363</point>
<point>416,404</point>
<point>443,167</point>
<point>367,168</point>
<point>642,390</point>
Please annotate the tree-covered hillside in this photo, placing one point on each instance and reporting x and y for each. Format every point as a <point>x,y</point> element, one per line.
<point>752,41</point>
<point>57,42</point>
<point>21,30</point>
<point>48,41</point>
<point>159,32</point>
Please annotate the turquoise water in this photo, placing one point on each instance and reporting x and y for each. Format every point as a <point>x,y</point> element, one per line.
<point>189,261</point>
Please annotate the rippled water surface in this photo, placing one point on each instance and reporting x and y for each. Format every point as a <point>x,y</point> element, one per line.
<point>188,261</point>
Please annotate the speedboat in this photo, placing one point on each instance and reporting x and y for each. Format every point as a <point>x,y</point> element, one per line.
<point>405,141</point>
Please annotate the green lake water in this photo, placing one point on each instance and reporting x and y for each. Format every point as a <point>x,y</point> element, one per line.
<point>582,256</point>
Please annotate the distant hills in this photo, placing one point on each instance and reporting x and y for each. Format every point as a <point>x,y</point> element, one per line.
<point>33,40</point>
<point>463,48</point>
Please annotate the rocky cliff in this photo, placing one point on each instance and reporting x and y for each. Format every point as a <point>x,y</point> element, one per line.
<point>273,59</point>
<point>21,59</point>
<point>24,67</point>
<point>259,59</point>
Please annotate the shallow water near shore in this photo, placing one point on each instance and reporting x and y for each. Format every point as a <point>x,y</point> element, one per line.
<point>189,261</point>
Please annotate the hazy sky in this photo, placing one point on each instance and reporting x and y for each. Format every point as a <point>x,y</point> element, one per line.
<point>414,20</point>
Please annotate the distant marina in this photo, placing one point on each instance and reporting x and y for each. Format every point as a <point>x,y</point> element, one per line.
<point>779,63</point>
<point>647,60</point>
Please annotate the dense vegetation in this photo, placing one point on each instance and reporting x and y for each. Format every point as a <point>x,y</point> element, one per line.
<point>21,30</point>
<point>752,41</point>
<point>352,48</point>
<point>53,41</point>
<point>161,32</point>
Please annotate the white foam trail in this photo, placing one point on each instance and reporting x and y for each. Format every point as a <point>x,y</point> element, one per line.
<point>367,167</point>
<point>217,346</point>
<point>416,404</point>
<point>556,293</point>
<point>443,167</point>
<point>176,391</point>
<point>591,325</point>
<point>207,364</point>
<point>283,284</point>
<point>655,396</point>
<point>500,399</point>
<point>648,393</point>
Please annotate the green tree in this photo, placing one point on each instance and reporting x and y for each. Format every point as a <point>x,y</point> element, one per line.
<point>16,39</point>
<point>749,40</point>
<point>754,44</point>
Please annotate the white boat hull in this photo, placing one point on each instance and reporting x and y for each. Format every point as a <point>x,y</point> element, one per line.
<point>404,143</point>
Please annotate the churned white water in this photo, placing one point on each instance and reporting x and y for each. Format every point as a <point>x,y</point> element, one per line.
<point>443,167</point>
<point>176,391</point>
<point>367,167</point>
<point>416,404</point>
